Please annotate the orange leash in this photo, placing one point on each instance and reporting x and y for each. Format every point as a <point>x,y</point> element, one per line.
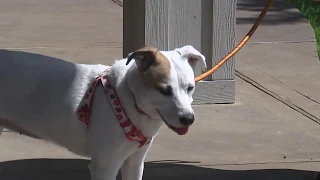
<point>239,46</point>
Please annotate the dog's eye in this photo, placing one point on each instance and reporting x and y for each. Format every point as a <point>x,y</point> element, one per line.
<point>167,91</point>
<point>190,88</point>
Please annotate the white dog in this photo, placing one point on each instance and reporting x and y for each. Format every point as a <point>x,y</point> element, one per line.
<point>108,113</point>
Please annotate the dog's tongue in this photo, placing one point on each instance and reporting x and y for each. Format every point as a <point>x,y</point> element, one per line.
<point>180,131</point>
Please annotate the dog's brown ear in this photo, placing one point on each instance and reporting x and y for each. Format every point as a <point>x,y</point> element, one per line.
<point>144,57</point>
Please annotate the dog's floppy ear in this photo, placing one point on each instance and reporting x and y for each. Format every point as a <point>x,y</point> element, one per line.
<point>194,56</point>
<point>143,57</point>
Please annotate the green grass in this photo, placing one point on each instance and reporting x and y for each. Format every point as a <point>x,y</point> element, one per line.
<point>310,10</point>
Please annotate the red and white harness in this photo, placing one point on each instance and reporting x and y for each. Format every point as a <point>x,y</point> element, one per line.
<point>84,110</point>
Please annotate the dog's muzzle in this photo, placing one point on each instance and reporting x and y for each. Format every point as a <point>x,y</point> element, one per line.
<point>180,131</point>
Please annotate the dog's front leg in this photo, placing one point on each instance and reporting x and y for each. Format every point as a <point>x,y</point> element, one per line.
<point>104,165</point>
<point>132,168</point>
<point>99,172</point>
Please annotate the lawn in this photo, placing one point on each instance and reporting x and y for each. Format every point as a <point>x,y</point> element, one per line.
<point>311,10</point>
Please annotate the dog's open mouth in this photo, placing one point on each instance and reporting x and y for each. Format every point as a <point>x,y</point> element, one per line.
<point>180,131</point>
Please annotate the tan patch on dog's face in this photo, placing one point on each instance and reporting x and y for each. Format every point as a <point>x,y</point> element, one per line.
<point>158,74</point>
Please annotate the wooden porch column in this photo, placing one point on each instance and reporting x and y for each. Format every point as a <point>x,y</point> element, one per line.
<point>207,25</point>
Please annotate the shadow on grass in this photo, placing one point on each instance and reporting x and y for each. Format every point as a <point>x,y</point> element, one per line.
<point>66,169</point>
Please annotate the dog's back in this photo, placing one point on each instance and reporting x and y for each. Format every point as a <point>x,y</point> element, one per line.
<point>38,88</point>
<point>31,83</point>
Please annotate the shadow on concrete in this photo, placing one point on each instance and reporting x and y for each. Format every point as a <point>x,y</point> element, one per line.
<point>66,169</point>
<point>281,12</point>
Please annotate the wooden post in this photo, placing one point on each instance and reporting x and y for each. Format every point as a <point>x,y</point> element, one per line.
<point>217,40</point>
<point>207,25</point>
<point>145,22</point>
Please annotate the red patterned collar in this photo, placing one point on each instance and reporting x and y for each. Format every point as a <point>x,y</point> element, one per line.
<point>85,106</point>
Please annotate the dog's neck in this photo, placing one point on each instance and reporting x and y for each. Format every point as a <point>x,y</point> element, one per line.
<point>146,122</point>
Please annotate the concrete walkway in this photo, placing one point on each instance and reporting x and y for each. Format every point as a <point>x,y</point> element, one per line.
<point>269,133</point>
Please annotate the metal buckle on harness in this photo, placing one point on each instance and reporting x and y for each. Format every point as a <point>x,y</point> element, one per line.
<point>84,114</point>
<point>133,135</point>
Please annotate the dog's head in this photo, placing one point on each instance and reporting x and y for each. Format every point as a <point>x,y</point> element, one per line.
<point>167,84</point>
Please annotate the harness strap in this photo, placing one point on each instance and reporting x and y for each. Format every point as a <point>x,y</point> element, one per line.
<point>84,111</point>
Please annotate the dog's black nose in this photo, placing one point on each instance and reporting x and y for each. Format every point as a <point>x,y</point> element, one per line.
<point>187,119</point>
